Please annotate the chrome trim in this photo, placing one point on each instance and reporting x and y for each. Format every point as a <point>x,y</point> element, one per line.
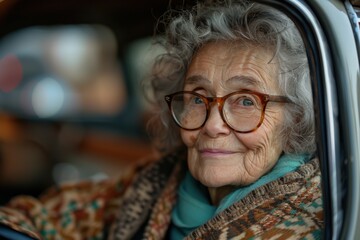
<point>334,17</point>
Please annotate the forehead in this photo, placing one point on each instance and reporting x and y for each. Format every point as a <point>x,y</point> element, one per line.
<point>234,65</point>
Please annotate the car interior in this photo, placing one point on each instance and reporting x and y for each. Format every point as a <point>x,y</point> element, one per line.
<point>73,107</point>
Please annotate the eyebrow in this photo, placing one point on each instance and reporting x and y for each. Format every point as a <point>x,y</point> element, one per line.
<point>197,79</point>
<point>244,80</point>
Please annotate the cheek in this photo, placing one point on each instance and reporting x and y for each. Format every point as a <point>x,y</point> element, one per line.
<point>189,137</point>
<point>272,129</point>
<point>267,137</point>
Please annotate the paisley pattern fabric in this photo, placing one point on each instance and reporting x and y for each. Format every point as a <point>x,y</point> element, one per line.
<point>139,205</point>
<point>72,211</point>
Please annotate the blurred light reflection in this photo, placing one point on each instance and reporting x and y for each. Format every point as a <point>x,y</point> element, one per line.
<point>10,73</point>
<point>47,98</point>
<point>81,58</point>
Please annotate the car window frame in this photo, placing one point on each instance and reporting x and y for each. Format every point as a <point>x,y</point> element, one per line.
<point>330,49</point>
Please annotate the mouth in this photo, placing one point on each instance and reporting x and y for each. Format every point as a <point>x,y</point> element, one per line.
<point>211,152</point>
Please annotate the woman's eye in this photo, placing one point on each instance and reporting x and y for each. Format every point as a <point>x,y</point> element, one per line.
<point>246,102</point>
<point>198,100</point>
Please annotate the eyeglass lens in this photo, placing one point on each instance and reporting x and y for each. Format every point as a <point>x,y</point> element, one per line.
<point>241,111</point>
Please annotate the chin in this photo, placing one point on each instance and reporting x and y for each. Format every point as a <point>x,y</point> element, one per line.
<point>214,181</point>
<point>215,175</point>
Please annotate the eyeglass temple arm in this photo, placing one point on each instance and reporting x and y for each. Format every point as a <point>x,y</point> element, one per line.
<point>279,99</point>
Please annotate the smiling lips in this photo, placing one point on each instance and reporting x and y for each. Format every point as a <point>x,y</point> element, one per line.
<point>212,152</point>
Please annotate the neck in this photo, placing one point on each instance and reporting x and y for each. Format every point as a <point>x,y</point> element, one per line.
<point>217,194</point>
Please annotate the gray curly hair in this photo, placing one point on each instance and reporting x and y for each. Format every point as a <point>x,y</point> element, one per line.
<point>242,21</point>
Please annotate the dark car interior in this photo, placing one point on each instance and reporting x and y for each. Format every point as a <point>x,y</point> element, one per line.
<point>73,107</point>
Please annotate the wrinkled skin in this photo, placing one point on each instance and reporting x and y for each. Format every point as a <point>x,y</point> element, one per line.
<point>218,156</point>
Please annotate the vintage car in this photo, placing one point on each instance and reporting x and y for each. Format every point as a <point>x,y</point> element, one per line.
<point>74,131</point>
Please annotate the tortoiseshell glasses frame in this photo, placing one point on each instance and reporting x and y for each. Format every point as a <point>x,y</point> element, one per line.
<point>243,111</point>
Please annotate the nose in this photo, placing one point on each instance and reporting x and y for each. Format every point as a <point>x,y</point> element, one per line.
<point>215,125</point>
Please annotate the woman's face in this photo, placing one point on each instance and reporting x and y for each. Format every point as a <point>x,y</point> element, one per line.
<point>217,155</point>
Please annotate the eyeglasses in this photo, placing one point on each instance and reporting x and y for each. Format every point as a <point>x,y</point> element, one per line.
<point>243,111</point>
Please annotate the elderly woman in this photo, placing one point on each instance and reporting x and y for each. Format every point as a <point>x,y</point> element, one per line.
<point>237,126</point>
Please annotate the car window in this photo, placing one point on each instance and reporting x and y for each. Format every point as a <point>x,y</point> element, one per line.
<point>71,107</point>
<point>331,32</point>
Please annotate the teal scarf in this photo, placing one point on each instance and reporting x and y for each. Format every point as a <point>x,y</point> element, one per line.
<point>193,207</point>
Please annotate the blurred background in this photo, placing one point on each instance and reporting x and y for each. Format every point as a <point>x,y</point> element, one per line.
<point>71,105</point>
